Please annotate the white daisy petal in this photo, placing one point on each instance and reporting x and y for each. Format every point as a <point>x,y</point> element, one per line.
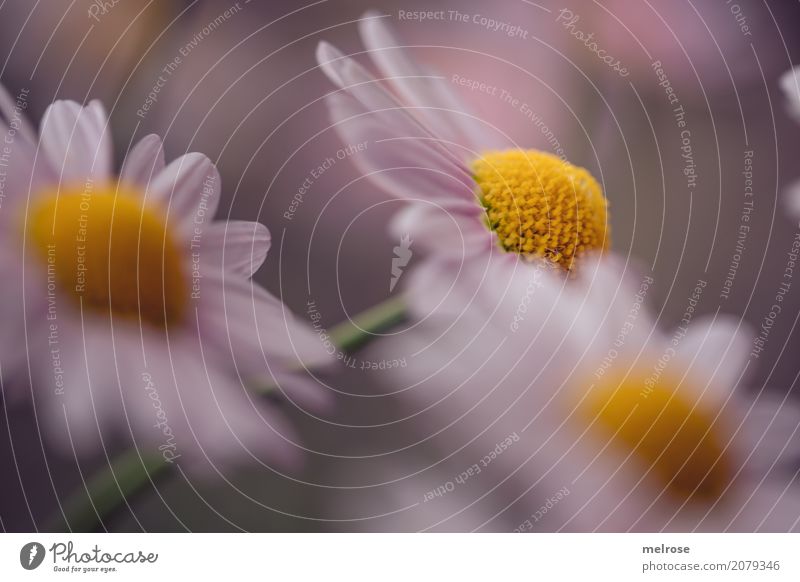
<point>255,329</point>
<point>213,420</point>
<point>792,199</point>
<point>770,506</point>
<point>190,188</point>
<point>403,162</point>
<point>432,96</point>
<point>790,83</point>
<point>302,392</point>
<point>368,92</point>
<point>451,235</point>
<point>10,111</point>
<point>144,161</point>
<point>87,403</point>
<point>77,142</point>
<point>715,351</point>
<point>607,292</point>
<point>237,246</point>
<point>432,289</point>
<point>770,433</point>
<point>26,180</point>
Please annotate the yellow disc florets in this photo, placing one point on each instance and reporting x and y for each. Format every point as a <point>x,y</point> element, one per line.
<point>675,439</point>
<point>542,206</point>
<point>111,251</point>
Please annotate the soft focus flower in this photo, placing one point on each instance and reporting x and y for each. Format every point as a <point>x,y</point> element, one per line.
<point>476,191</point>
<point>790,83</point>
<point>129,309</point>
<point>602,422</point>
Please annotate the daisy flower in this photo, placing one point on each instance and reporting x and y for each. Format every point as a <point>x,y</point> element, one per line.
<point>614,425</point>
<point>790,83</point>
<point>127,309</point>
<point>475,192</point>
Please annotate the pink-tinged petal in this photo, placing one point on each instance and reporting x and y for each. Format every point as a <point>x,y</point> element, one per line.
<point>77,142</point>
<point>401,160</point>
<point>792,199</point>
<point>368,93</point>
<point>189,190</point>
<point>485,283</point>
<point>302,391</point>
<point>465,367</point>
<point>445,289</point>
<point>80,394</point>
<point>144,162</point>
<point>254,329</point>
<point>772,505</point>
<point>452,235</point>
<point>42,337</point>
<point>607,294</point>
<point>768,434</point>
<point>27,178</point>
<point>13,351</point>
<point>714,353</point>
<point>434,100</point>
<point>11,112</point>
<point>26,174</point>
<point>238,247</point>
<point>437,289</point>
<point>168,398</point>
<point>327,55</point>
<point>790,83</point>
<point>347,74</point>
<point>213,419</point>
<point>448,369</point>
<point>399,503</point>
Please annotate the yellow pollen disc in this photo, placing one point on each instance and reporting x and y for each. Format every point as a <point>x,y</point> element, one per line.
<point>542,206</point>
<point>110,251</point>
<point>677,440</point>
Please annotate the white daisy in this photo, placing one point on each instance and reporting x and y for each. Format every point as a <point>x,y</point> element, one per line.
<point>642,430</point>
<point>131,312</point>
<point>475,191</point>
<point>790,83</point>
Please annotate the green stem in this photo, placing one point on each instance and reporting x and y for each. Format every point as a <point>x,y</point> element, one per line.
<point>351,335</point>
<point>131,472</point>
<point>106,490</point>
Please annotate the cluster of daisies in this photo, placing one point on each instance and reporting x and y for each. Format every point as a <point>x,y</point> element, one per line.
<point>527,324</point>
<point>129,314</point>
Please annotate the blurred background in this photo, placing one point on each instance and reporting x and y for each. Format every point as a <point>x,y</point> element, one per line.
<point>238,81</point>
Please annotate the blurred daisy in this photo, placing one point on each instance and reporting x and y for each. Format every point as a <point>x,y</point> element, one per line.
<point>475,190</point>
<point>639,430</point>
<point>790,83</point>
<point>129,309</point>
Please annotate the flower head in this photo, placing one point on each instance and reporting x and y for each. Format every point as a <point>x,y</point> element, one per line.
<point>645,430</point>
<point>474,190</point>
<point>131,310</point>
<point>541,206</point>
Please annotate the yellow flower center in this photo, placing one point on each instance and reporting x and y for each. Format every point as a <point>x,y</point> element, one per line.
<point>542,206</point>
<point>676,439</point>
<point>111,251</point>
